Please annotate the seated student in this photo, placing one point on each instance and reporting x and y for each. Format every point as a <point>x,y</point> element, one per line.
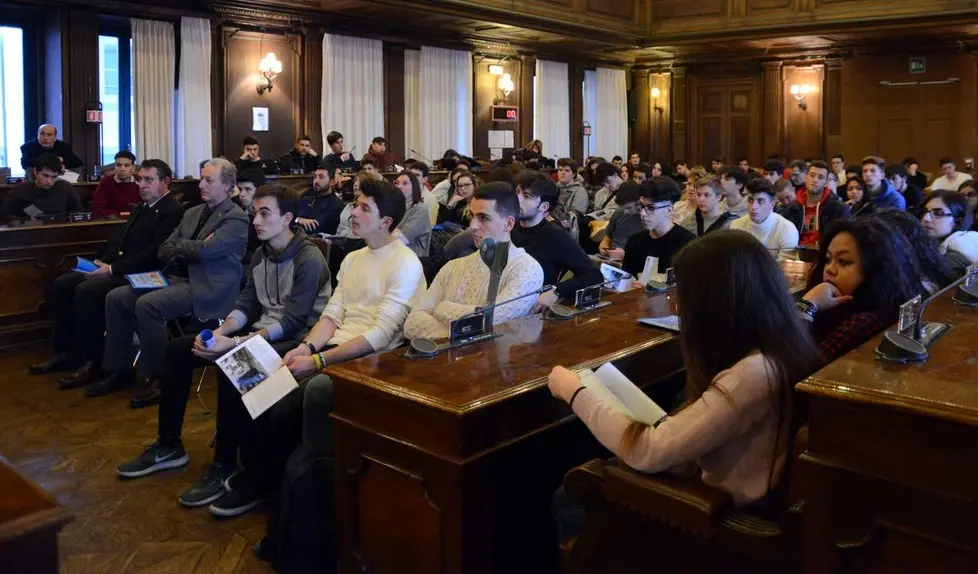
<point>899,180</point>
<point>732,182</point>
<point>202,263</point>
<point>626,172</point>
<point>573,195</point>
<point>772,230</point>
<point>344,228</point>
<point>642,172</point>
<point>47,142</point>
<point>662,238</point>
<point>881,193</point>
<point>798,170</point>
<point>948,220</point>
<point>859,202</point>
<point>914,175</point>
<point>78,302</point>
<point>462,284</point>
<point>414,230</point>
<point>45,192</point>
<point>784,194</point>
<point>815,207</point>
<point>590,180</point>
<point>773,170</point>
<point>687,205</point>
<point>936,274</point>
<point>302,156</point>
<point>549,244</point>
<point>420,171</point>
<point>251,158</point>
<point>606,176</point>
<point>625,222</point>
<point>716,164</point>
<point>336,156</point>
<point>852,172</point>
<point>368,165</point>
<point>456,209</point>
<point>950,179</point>
<point>969,190</point>
<point>382,159</point>
<point>709,216</point>
<point>617,161</point>
<point>117,193</point>
<point>445,188</point>
<point>287,288</point>
<point>248,182</point>
<point>321,204</point>
<point>743,164</point>
<point>741,368</point>
<point>864,272</point>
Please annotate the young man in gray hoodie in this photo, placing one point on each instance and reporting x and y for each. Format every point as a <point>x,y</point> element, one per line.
<point>288,285</point>
<point>573,195</point>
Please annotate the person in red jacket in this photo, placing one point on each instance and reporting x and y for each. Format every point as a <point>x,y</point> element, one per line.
<point>119,192</point>
<point>383,159</point>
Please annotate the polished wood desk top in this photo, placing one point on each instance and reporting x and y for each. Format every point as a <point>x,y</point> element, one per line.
<point>51,225</point>
<point>471,377</point>
<point>944,387</point>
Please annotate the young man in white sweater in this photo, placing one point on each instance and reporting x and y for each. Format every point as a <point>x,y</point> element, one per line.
<point>771,229</point>
<point>462,284</point>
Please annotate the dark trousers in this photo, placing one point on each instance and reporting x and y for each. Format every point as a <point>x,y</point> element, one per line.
<point>256,438</point>
<point>78,314</point>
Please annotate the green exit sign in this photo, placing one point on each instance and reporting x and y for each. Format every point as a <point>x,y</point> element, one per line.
<point>918,65</point>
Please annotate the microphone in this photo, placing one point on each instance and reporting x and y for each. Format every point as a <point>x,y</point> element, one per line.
<point>587,300</point>
<point>421,156</point>
<point>465,330</point>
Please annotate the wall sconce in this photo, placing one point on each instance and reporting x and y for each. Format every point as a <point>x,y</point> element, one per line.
<point>800,92</point>
<point>505,87</point>
<point>496,70</point>
<point>655,100</point>
<point>270,67</point>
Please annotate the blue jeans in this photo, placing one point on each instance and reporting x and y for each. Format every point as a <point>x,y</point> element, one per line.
<point>568,515</point>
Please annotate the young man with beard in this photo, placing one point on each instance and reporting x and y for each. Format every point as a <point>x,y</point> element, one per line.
<point>462,284</point>
<point>321,205</point>
<point>662,238</point>
<point>771,229</point>
<point>117,193</point>
<point>815,206</point>
<point>554,248</point>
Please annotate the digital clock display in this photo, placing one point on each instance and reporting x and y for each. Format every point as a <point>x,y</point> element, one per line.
<point>505,114</point>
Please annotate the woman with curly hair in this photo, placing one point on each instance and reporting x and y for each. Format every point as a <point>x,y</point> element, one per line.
<point>864,272</point>
<point>858,196</point>
<point>935,272</point>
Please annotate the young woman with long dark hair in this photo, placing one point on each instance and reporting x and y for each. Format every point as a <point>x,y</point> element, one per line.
<point>947,217</point>
<point>936,274</point>
<point>742,359</point>
<point>414,230</point>
<point>864,272</point>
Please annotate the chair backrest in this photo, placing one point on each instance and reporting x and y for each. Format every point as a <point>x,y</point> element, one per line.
<point>323,245</point>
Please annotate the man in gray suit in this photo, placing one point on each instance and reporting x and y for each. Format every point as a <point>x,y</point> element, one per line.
<point>202,260</point>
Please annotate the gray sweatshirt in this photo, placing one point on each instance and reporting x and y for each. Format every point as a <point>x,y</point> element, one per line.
<point>286,292</point>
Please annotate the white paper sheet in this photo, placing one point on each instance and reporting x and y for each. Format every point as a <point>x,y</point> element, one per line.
<point>259,374</point>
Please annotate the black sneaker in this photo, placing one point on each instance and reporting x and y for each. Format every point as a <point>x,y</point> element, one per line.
<point>154,459</point>
<point>209,488</point>
<point>242,495</point>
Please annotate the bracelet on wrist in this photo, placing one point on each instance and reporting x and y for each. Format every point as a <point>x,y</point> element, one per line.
<point>807,307</point>
<point>310,346</point>
<point>574,396</point>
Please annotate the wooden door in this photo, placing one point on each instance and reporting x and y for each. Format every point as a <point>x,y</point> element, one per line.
<point>726,118</point>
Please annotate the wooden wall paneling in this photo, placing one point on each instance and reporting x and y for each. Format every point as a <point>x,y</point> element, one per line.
<point>485,90</point>
<point>773,111</point>
<point>803,128</point>
<point>52,104</point>
<point>394,99</point>
<point>725,117</point>
<point>575,86</point>
<point>679,104</point>
<point>525,86</point>
<point>832,107</point>
<point>79,68</point>
<point>242,52</point>
<point>641,127</point>
<point>312,90</point>
<point>661,115</point>
<point>684,9</point>
<point>617,9</point>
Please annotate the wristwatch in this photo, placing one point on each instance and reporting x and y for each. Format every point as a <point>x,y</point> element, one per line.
<point>310,346</point>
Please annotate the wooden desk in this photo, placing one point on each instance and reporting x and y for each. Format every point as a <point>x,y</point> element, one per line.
<point>448,465</point>
<point>31,258</point>
<point>891,468</point>
<point>29,524</point>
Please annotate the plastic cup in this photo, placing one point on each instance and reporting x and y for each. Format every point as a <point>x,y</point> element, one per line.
<point>207,338</point>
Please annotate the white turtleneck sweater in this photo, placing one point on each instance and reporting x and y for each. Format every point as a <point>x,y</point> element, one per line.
<point>775,233</point>
<point>462,285</point>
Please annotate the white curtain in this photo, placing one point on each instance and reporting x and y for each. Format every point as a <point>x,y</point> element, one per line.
<point>591,112</point>
<point>446,102</point>
<point>153,63</point>
<point>611,123</point>
<point>412,104</point>
<point>353,90</point>
<point>194,96</point>
<point>551,109</point>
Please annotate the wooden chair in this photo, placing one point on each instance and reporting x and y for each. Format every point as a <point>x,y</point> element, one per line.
<point>637,522</point>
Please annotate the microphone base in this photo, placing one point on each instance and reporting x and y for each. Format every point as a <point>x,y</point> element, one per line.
<point>578,311</point>
<point>412,353</point>
<point>900,349</point>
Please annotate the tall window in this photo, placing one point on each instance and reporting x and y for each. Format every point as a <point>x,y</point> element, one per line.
<point>12,100</point>
<point>115,91</point>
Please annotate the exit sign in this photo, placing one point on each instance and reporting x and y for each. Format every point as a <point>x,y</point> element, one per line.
<point>918,65</point>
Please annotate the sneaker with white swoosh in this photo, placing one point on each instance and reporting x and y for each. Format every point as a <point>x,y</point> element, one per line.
<point>154,459</point>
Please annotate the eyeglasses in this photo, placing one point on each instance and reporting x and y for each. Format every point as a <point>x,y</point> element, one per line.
<point>936,213</point>
<point>648,209</point>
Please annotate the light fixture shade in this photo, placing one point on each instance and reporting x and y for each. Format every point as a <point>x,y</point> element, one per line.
<point>805,89</point>
<point>655,92</point>
<point>795,89</point>
<point>270,64</point>
<point>495,69</point>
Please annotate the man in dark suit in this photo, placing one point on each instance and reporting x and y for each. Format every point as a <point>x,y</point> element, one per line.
<point>78,302</point>
<point>202,264</point>
<point>47,142</point>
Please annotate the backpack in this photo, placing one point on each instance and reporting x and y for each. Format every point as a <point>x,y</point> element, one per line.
<point>301,534</point>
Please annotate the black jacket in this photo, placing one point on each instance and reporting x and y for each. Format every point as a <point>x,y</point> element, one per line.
<point>30,151</point>
<point>337,159</point>
<point>292,160</point>
<point>134,249</point>
<point>830,211</point>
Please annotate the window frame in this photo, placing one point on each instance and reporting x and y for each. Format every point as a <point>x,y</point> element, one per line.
<point>120,29</point>
<point>28,21</point>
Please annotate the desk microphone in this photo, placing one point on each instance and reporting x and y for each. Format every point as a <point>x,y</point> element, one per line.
<point>415,152</point>
<point>463,331</point>
<point>560,311</point>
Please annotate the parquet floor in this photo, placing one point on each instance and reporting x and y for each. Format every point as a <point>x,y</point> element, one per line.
<point>70,445</point>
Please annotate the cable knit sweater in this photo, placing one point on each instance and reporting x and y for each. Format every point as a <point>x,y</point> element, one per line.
<point>775,233</point>
<point>462,285</point>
